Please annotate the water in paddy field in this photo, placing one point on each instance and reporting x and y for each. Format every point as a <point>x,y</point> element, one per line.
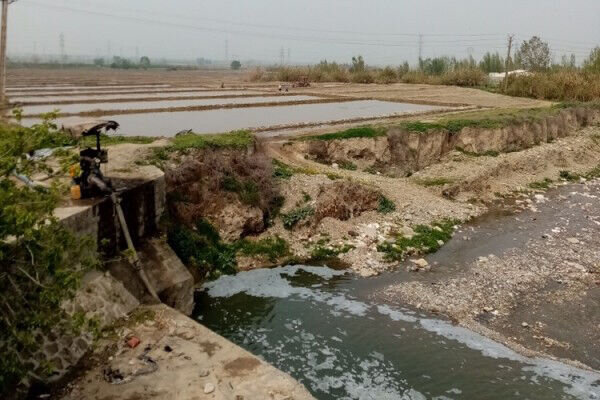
<point>308,322</point>
<point>145,105</point>
<point>153,94</point>
<point>225,120</point>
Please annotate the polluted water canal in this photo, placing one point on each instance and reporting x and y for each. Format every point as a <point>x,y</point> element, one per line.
<point>310,322</point>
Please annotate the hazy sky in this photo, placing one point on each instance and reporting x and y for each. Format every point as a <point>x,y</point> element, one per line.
<point>383,31</point>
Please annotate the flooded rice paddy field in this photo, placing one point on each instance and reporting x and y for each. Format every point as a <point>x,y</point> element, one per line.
<point>146,105</point>
<point>119,96</point>
<point>225,120</point>
<point>116,90</point>
<point>311,323</point>
<point>68,87</point>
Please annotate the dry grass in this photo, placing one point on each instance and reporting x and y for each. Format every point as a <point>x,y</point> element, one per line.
<point>564,85</point>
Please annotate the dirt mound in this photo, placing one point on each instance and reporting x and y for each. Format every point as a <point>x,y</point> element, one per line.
<point>345,200</point>
<point>403,152</point>
<point>232,189</point>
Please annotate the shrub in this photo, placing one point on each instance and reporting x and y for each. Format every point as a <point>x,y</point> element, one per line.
<point>362,77</point>
<point>563,85</point>
<point>348,165</point>
<point>352,133</point>
<point>272,248</point>
<point>426,239</point>
<point>465,77</point>
<point>385,205</point>
<point>387,75</point>
<point>41,261</point>
<point>297,215</point>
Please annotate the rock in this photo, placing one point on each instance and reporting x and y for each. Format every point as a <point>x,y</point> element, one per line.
<point>209,388</point>
<point>353,233</point>
<point>573,240</point>
<point>203,373</point>
<point>524,324</point>
<point>335,165</point>
<point>133,342</point>
<point>421,263</point>
<point>488,309</point>
<point>440,242</point>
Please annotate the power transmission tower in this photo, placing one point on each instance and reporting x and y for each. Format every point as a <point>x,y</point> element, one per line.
<point>63,56</point>
<point>507,63</point>
<point>227,51</point>
<point>3,39</point>
<point>281,56</point>
<point>289,57</point>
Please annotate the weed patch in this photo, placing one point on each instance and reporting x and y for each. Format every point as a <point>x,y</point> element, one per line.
<point>325,252</point>
<point>232,140</point>
<point>297,215</point>
<point>427,239</point>
<point>348,165</point>
<point>272,248</point>
<point>385,205</point>
<point>352,133</point>
<point>541,185</point>
<point>431,182</point>
<point>569,176</point>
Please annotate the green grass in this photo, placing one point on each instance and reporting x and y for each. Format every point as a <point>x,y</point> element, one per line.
<point>431,182</point>
<point>297,215</point>
<point>324,252</point>
<point>234,140</point>
<point>107,140</point>
<point>352,133</point>
<point>385,205</point>
<point>282,170</point>
<point>569,176</point>
<point>247,191</point>
<point>272,248</point>
<point>541,185</point>
<point>425,240</point>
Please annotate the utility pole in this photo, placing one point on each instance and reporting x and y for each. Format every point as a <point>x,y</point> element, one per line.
<point>420,50</point>
<point>226,52</point>
<point>289,56</point>
<point>3,53</point>
<point>507,63</point>
<point>63,57</point>
<point>281,56</point>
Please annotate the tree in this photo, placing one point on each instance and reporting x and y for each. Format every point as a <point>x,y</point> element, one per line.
<point>99,62</point>
<point>592,63</point>
<point>41,262</point>
<point>235,65</point>
<point>144,62</point>
<point>492,63</point>
<point>358,64</point>
<point>533,55</point>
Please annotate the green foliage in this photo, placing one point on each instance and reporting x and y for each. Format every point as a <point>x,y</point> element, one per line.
<point>430,182</point>
<point>352,133</point>
<point>533,55</point>
<point>235,65</point>
<point>358,65</point>
<point>541,185</point>
<point>492,63</point>
<point>42,262</point>
<point>348,165</point>
<point>108,140</point>
<point>282,170</point>
<point>144,62</point>
<point>425,240</point>
<point>592,63</point>
<point>202,248</point>
<point>297,215</point>
<point>488,153</point>
<point>247,190</point>
<point>272,248</point>
<point>569,176</point>
<point>325,252</point>
<point>385,205</point>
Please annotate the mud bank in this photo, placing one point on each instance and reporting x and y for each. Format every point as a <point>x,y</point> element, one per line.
<point>404,152</point>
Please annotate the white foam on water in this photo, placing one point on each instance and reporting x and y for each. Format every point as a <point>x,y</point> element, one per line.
<point>361,384</point>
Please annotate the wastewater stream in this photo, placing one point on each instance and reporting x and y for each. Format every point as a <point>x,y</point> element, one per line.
<point>329,329</point>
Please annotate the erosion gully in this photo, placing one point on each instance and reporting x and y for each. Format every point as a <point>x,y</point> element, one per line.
<point>333,332</point>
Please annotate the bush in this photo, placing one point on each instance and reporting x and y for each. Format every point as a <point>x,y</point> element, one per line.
<point>387,75</point>
<point>41,262</point>
<point>465,77</point>
<point>272,248</point>
<point>563,85</point>
<point>385,205</point>
<point>297,215</point>
<point>362,77</point>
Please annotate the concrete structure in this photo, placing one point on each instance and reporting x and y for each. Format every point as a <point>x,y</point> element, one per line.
<point>178,358</point>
